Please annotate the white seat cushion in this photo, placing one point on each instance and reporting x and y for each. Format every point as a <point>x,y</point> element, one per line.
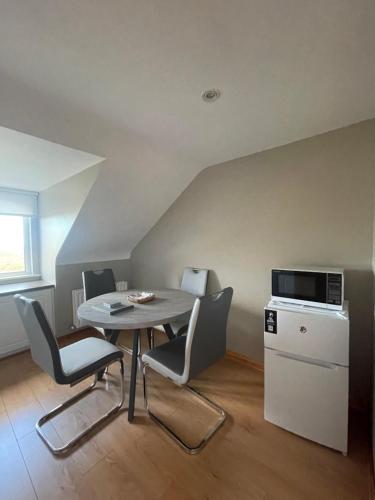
<point>84,353</point>
<point>179,323</point>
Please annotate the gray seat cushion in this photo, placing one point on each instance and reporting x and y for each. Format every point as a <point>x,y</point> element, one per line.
<point>168,357</point>
<point>85,356</point>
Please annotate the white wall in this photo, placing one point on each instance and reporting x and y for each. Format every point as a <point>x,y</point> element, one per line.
<point>310,202</point>
<point>58,209</point>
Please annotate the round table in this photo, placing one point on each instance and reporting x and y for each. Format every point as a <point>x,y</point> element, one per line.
<point>168,305</point>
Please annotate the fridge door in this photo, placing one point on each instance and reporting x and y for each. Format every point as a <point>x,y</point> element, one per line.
<point>319,336</point>
<point>307,397</point>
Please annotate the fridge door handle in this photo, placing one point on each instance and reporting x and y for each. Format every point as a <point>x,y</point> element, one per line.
<point>308,361</point>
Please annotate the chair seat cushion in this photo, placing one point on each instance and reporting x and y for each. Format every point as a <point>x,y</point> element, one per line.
<point>86,356</point>
<point>168,359</point>
<point>180,325</point>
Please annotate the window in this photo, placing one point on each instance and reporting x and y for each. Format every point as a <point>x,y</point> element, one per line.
<point>18,235</point>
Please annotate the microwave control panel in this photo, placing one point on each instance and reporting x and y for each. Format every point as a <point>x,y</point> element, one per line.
<point>334,289</point>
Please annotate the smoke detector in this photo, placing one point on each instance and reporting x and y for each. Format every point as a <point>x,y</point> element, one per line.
<point>211,95</point>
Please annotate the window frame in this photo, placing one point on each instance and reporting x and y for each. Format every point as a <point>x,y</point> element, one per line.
<point>31,253</point>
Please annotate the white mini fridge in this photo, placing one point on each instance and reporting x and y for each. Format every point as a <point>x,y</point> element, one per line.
<point>307,372</point>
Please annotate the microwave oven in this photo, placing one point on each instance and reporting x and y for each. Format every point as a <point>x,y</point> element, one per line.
<point>319,287</point>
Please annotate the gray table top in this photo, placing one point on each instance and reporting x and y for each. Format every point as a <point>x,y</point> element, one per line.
<point>167,306</point>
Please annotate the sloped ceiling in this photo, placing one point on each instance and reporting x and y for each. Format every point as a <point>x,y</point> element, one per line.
<point>122,80</point>
<point>27,162</point>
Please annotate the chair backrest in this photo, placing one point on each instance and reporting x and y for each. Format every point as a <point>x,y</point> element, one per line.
<point>98,282</point>
<point>194,281</point>
<point>206,338</point>
<point>44,348</point>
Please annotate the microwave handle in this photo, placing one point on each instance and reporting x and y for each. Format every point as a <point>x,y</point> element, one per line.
<point>308,361</point>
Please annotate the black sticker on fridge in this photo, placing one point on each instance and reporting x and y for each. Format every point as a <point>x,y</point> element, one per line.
<point>270,321</point>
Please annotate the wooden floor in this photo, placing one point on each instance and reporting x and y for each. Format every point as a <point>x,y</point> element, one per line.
<point>248,458</point>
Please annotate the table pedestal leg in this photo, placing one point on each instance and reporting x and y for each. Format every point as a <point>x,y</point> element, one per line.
<point>133,376</point>
<point>168,330</point>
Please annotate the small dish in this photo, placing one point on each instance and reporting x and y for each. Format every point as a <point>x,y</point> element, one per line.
<point>141,297</point>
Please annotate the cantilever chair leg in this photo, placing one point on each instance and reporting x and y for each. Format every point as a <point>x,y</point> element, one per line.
<point>150,338</point>
<point>66,404</point>
<point>192,450</point>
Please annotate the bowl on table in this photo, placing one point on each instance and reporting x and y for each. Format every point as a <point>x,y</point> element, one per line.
<point>141,297</point>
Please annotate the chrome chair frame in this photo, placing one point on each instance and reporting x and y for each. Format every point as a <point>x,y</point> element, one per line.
<point>192,450</point>
<point>66,404</point>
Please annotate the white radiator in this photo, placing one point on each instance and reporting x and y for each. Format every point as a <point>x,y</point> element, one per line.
<point>121,286</point>
<point>78,298</point>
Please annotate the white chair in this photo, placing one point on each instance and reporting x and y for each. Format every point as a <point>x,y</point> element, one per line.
<point>194,281</point>
<point>185,357</point>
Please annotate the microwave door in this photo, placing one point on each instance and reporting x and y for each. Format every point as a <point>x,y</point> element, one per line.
<point>299,286</point>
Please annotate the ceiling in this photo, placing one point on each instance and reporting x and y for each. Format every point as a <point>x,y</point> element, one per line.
<point>123,80</point>
<point>287,70</point>
<point>27,162</point>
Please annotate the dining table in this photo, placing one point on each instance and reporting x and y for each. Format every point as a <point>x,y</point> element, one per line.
<point>167,306</point>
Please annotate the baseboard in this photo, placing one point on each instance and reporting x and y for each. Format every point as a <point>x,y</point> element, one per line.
<point>78,334</point>
<point>24,345</point>
<point>75,330</point>
<point>241,358</point>
<point>15,348</point>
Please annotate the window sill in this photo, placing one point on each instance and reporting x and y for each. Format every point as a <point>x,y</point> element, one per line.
<point>20,279</point>
<point>25,286</point>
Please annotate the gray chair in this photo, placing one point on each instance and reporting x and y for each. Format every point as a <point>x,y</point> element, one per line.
<point>98,282</point>
<point>194,281</point>
<point>69,365</point>
<point>187,356</point>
